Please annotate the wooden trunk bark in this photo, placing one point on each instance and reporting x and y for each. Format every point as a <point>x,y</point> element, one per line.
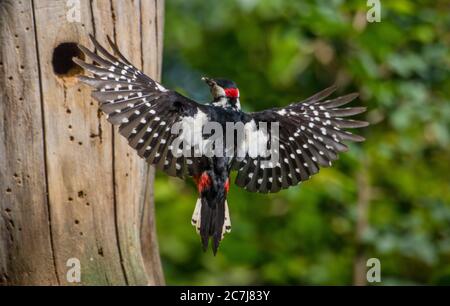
<point>70,187</point>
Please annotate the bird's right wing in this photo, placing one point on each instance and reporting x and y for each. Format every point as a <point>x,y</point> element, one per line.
<point>143,109</point>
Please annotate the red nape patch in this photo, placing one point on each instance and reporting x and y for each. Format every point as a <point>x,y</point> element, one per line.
<point>202,181</point>
<point>227,185</point>
<point>232,92</point>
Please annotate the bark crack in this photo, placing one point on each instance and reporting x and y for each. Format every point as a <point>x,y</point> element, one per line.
<point>157,38</point>
<point>141,35</point>
<point>113,16</point>
<point>113,133</point>
<point>44,142</point>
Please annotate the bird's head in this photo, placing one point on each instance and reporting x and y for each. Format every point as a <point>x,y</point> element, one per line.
<point>224,92</point>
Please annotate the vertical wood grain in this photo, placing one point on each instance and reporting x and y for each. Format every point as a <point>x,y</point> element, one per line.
<point>70,185</point>
<point>152,28</point>
<point>79,166</point>
<point>26,254</point>
<point>133,177</point>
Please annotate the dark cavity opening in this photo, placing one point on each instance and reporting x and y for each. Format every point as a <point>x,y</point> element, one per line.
<point>62,62</point>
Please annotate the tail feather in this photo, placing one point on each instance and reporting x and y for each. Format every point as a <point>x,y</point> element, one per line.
<point>227,223</point>
<point>196,221</point>
<point>211,222</point>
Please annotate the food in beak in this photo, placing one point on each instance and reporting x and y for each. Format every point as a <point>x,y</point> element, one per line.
<point>209,81</point>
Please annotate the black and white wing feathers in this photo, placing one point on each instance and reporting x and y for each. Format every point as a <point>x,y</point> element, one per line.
<point>310,136</point>
<point>143,109</point>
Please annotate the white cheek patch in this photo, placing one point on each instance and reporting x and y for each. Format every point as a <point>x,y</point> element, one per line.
<point>218,91</point>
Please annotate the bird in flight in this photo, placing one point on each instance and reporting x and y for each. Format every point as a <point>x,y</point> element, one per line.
<point>174,133</point>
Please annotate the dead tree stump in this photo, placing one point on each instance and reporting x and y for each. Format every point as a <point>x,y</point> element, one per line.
<point>70,187</point>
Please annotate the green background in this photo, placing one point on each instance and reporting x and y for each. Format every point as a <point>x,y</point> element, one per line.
<point>279,52</point>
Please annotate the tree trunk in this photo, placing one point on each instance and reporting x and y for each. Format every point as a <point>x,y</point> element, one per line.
<point>70,187</point>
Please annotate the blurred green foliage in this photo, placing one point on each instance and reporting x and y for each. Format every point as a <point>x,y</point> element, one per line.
<point>283,51</point>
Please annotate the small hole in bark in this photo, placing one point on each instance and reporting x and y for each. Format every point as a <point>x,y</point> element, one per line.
<point>80,143</point>
<point>62,62</point>
<point>70,199</point>
<point>68,111</point>
<point>72,138</point>
<point>8,190</point>
<point>88,204</point>
<point>81,194</point>
<point>70,127</point>
<point>77,222</point>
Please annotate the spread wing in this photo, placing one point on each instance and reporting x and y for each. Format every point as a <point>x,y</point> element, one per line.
<point>143,109</point>
<point>311,134</point>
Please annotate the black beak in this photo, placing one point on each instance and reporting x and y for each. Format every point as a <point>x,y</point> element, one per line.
<point>209,81</point>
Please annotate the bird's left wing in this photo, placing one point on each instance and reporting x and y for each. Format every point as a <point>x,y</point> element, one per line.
<point>310,135</point>
<point>143,109</point>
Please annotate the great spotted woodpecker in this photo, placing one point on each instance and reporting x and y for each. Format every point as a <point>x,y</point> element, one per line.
<point>310,134</point>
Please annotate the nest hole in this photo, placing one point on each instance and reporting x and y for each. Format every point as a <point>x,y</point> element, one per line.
<point>63,65</point>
